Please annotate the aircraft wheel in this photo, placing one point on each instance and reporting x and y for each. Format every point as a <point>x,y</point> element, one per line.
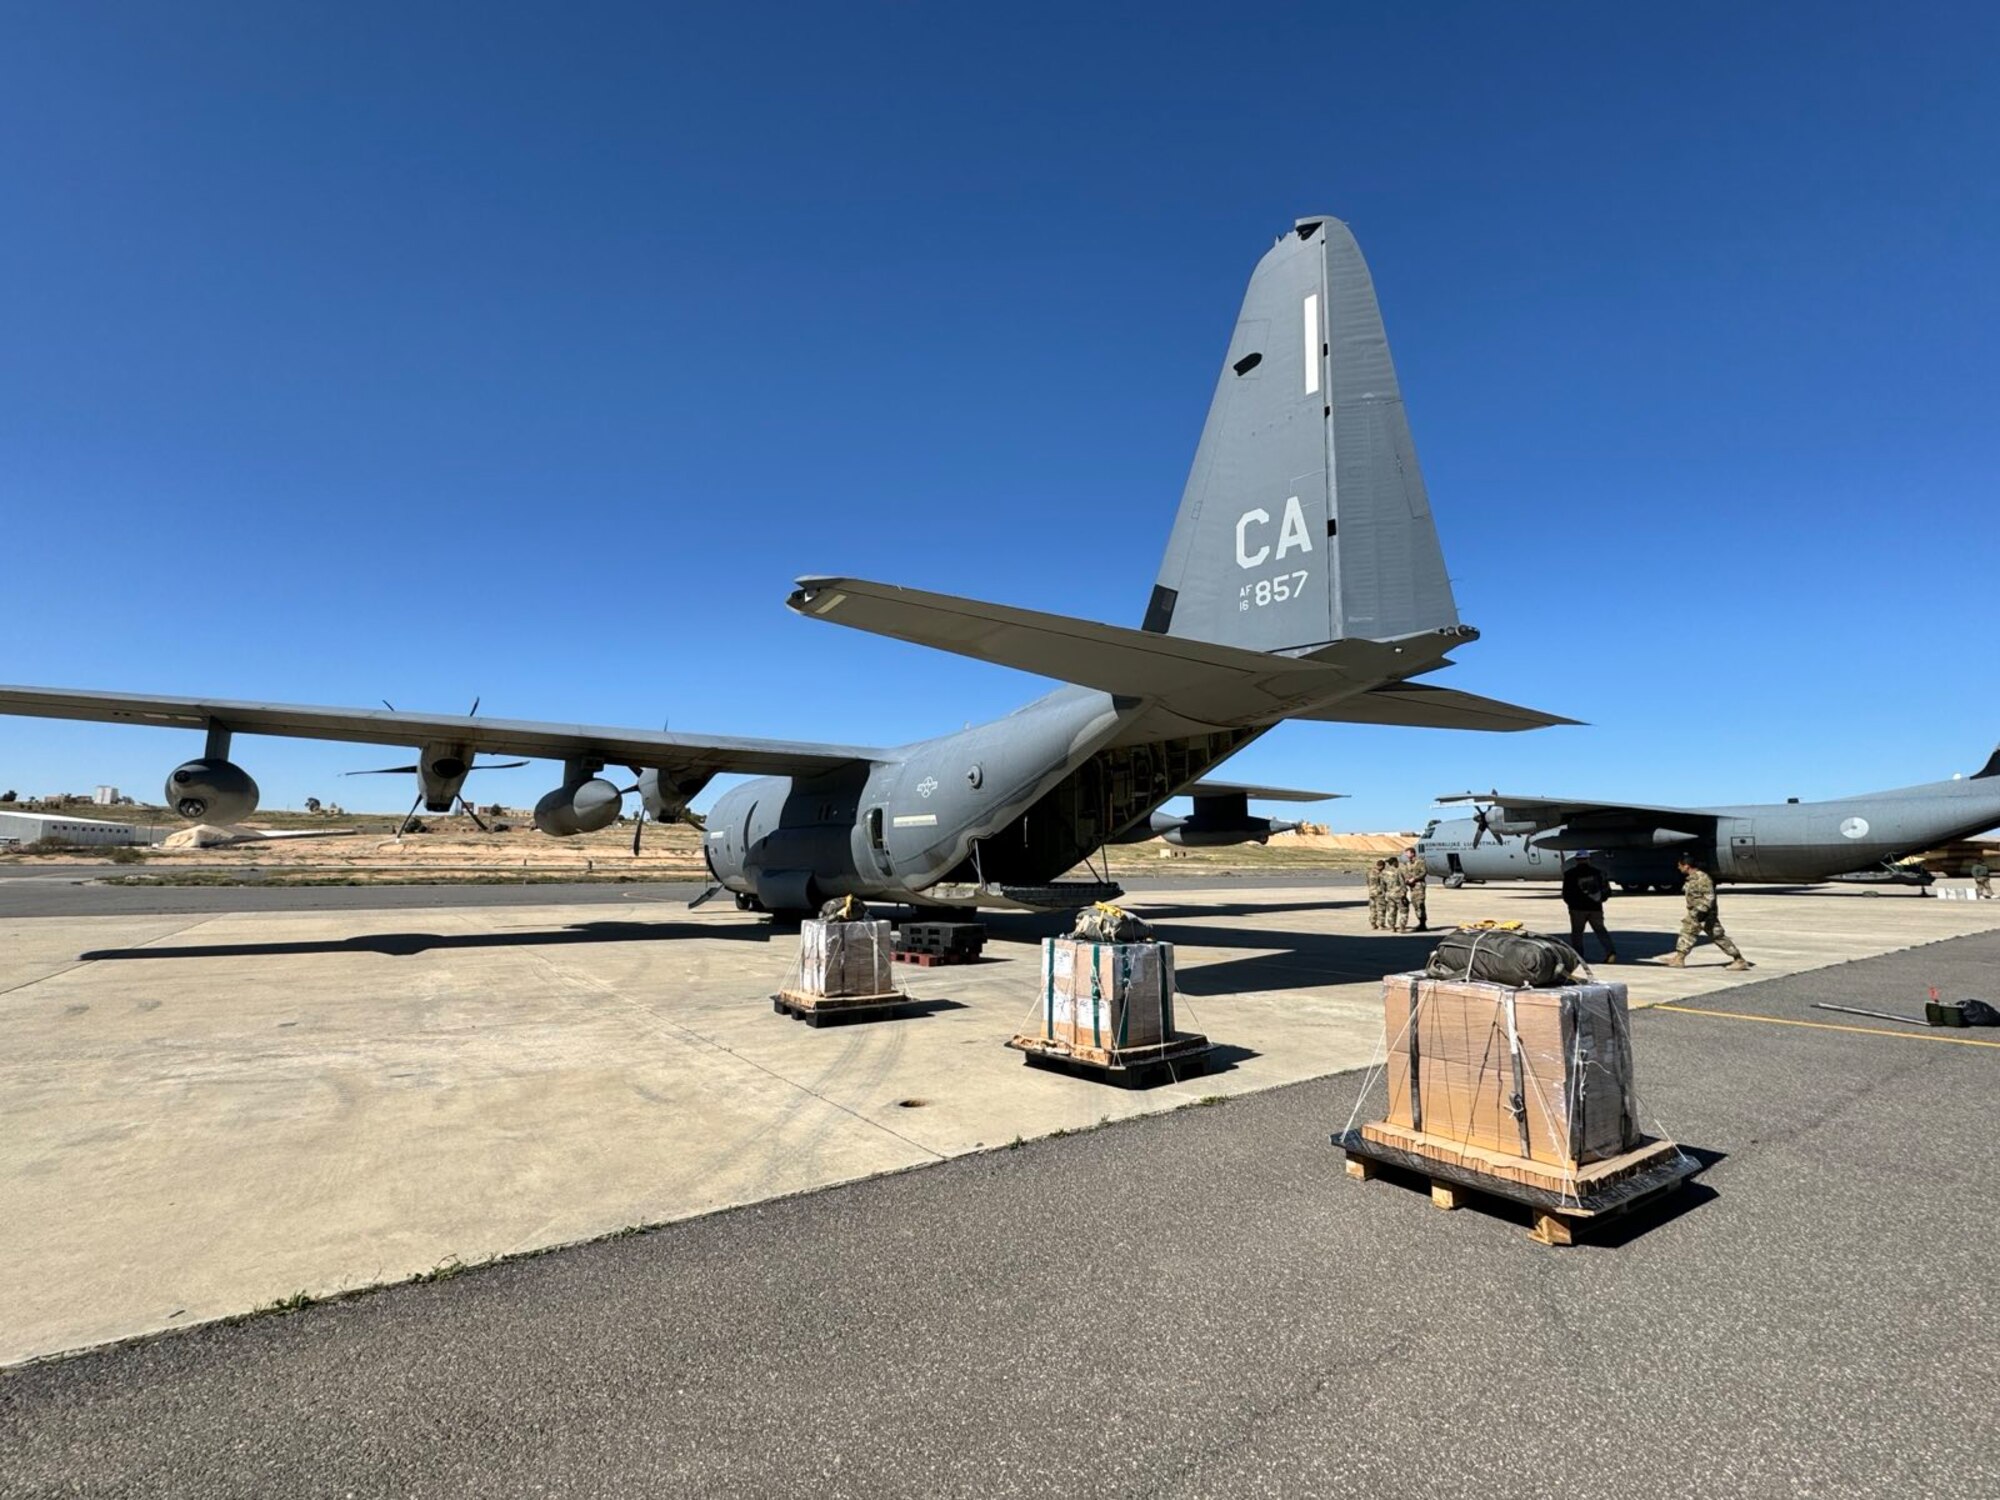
<point>1631,888</point>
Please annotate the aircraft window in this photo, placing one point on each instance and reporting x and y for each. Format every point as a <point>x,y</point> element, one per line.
<point>1431,828</point>
<point>1248,363</point>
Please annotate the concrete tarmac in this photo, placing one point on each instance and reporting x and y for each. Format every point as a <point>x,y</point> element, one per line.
<point>1199,1304</point>
<point>209,1113</point>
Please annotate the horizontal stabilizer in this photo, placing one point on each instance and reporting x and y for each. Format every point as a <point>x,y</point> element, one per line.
<point>1199,679</point>
<point>1261,793</point>
<point>1415,706</point>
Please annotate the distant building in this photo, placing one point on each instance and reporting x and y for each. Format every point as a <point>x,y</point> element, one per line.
<point>20,828</point>
<point>105,796</point>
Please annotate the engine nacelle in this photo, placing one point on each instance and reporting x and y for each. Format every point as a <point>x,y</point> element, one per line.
<point>211,791</point>
<point>583,808</point>
<point>1214,832</point>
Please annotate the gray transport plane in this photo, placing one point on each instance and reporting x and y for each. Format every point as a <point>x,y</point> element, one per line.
<point>1784,843</point>
<point>1302,580</point>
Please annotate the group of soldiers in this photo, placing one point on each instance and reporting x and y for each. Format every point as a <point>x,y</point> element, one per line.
<point>1396,904</point>
<point>1396,894</point>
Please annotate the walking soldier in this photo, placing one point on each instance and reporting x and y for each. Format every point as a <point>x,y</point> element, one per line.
<point>1702,919</point>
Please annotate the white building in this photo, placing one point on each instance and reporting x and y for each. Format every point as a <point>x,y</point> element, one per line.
<point>24,828</point>
<point>105,796</point>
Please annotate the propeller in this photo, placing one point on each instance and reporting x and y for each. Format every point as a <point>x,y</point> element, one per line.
<point>687,815</point>
<point>459,804</point>
<point>1481,828</point>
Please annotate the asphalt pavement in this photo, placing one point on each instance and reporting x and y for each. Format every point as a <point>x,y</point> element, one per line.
<point>1192,1304</point>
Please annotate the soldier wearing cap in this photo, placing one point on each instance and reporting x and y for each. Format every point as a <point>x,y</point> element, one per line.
<point>1377,896</point>
<point>1584,891</point>
<point>1413,875</point>
<point>1702,919</point>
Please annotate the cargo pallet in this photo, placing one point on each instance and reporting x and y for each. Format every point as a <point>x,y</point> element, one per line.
<point>1564,1205</point>
<point>817,1010</point>
<point>1122,1067</point>
<point>931,960</point>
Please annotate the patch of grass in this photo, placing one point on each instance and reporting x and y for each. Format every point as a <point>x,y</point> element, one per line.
<point>299,1301</point>
<point>1207,1099</point>
<point>444,1270</point>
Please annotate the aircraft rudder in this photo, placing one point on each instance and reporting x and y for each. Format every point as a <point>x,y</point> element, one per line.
<point>1304,519</point>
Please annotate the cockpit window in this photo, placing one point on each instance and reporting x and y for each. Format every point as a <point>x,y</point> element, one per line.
<point>1430,829</point>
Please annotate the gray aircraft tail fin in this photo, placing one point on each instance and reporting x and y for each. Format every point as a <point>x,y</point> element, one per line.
<point>1991,768</point>
<point>1305,519</point>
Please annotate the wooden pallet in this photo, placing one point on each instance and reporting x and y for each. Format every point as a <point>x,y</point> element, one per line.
<point>817,1010</point>
<point>1125,1067</point>
<point>1595,1192</point>
<point>931,960</point>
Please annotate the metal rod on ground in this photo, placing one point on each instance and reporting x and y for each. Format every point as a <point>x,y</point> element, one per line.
<point>1880,1015</point>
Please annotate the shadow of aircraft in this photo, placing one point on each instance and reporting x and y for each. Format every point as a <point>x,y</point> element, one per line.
<point>408,944</point>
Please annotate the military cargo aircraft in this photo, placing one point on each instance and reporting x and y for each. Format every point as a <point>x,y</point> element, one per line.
<point>1785,843</point>
<point>1302,580</point>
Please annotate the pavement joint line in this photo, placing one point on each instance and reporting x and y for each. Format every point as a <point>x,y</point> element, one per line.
<point>1901,1036</point>
<point>590,981</point>
<point>81,962</point>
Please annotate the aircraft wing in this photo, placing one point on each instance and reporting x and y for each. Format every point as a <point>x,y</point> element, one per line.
<point>1202,680</point>
<point>1548,812</point>
<point>1261,793</point>
<point>1415,705</point>
<point>654,749</point>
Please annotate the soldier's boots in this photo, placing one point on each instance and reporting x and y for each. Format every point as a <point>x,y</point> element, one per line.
<point>1675,960</point>
<point>1739,962</point>
<point>1611,958</point>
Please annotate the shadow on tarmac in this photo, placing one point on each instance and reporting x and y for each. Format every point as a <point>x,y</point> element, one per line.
<point>408,944</point>
<point>1611,1232</point>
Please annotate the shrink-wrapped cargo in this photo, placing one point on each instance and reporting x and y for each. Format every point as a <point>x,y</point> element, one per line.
<point>1106,996</point>
<point>1543,1073</point>
<point>845,958</point>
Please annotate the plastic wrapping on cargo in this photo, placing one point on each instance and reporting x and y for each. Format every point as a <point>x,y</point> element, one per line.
<point>1106,996</point>
<point>1542,1073</point>
<point>845,958</point>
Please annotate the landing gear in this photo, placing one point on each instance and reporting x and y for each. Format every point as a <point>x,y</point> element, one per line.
<point>748,902</point>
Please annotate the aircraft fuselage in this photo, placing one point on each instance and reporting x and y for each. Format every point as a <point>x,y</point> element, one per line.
<point>957,819</point>
<point>1782,843</point>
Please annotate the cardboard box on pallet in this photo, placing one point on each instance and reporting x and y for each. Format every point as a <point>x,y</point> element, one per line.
<point>1457,1048</point>
<point>845,958</point>
<point>1106,996</point>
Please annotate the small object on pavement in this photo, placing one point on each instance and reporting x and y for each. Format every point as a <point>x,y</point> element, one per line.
<point>1880,1015</point>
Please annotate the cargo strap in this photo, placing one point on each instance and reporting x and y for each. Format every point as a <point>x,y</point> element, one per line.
<point>1124,991</point>
<point>1049,990</point>
<point>1096,998</point>
<point>1517,1102</point>
<point>1416,1078</point>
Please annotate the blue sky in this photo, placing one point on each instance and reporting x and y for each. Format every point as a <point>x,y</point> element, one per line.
<point>424,352</point>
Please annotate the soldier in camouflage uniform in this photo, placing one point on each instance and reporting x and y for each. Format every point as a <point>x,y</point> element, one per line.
<point>1982,881</point>
<point>1702,919</point>
<point>1395,898</point>
<point>1377,894</point>
<point>1414,873</point>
